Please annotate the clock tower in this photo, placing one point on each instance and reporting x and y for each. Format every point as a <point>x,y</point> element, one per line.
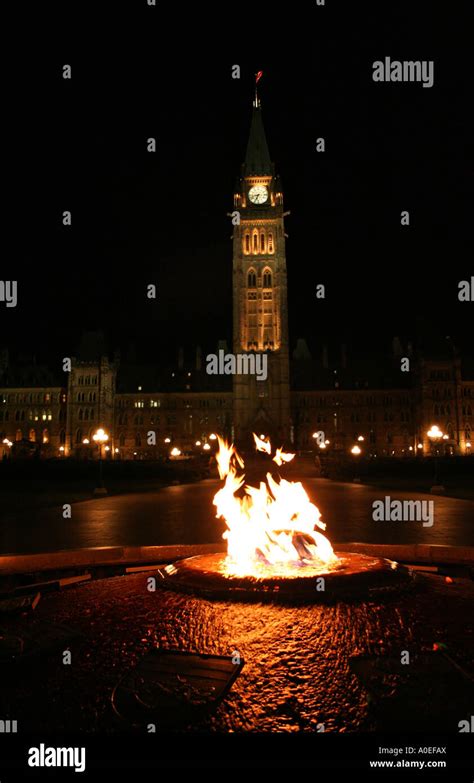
<point>260,310</point>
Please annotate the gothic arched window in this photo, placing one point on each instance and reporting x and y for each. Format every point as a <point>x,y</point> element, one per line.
<point>270,243</point>
<point>262,242</point>
<point>247,244</point>
<point>252,279</point>
<point>267,278</point>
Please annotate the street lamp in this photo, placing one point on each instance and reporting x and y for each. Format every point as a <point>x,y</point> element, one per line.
<point>356,451</point>
<point>100,437</point>
<point>436,436</point>
<point>8,445</point>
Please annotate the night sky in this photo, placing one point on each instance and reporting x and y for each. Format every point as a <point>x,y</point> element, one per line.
<point>140,218</point>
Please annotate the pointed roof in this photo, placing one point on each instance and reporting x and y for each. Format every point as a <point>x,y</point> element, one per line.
<point>257,157</point>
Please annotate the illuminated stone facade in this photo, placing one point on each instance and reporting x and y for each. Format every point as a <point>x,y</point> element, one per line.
<point>146,415</point>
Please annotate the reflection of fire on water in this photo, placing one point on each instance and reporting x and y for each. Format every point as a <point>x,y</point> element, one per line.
<point>272,528</point>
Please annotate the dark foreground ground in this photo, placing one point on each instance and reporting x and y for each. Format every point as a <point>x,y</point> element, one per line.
<point>297,674</point>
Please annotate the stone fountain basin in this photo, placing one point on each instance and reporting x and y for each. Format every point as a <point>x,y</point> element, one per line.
<point>354,576</point>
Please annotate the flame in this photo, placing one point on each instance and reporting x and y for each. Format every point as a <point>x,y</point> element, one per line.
<point>280,457</point>
<point>272,528</point>
<point>262,445</point>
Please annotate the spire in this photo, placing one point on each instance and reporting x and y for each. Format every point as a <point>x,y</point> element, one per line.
<point>257,157</point>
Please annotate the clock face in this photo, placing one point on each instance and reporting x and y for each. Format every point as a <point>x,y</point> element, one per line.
<point>258,194</point>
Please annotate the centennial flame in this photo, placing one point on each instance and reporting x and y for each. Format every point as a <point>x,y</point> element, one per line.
<point>272,528</point>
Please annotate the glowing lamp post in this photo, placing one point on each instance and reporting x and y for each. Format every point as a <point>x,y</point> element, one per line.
<point>436,436</point>
<point>100,437</point>
<point>8,444</point>
<point>356,451</point>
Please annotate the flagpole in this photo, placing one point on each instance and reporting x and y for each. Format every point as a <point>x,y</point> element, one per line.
<point>258,76</point>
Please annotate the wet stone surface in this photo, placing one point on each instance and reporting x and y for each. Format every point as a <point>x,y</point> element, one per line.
<point>296,675</point>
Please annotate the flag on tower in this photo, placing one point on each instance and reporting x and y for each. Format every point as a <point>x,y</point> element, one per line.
<point>258,77</point>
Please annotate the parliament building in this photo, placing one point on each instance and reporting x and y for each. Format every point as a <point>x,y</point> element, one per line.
<point>149,411</point>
